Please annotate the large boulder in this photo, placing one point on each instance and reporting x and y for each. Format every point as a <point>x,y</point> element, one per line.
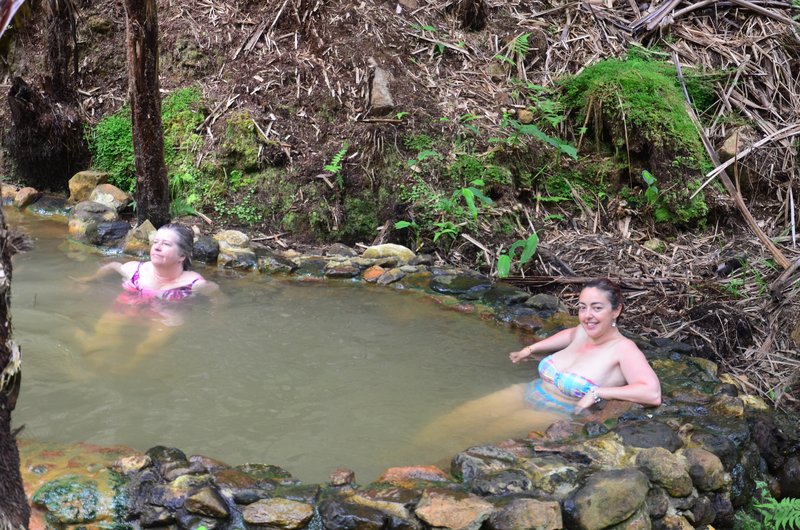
<point>85,218</point>
<point>137,241</point>
<point>389,250</point>
<point>26,196</point>
<point>82,183</point>
<point>111,196</point>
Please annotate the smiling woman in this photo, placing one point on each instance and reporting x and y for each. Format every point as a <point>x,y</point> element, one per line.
<point>591,362</point>
<point>150,290</point>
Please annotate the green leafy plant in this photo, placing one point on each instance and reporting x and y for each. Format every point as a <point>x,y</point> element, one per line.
<point>470,193</point>
<point>335,165</point>
<point>445,228</point>
<point>651,193</point>
<point>519,130</point>
<point>424,155</point>
<point>414,227</point>
<point>528,247</point>
<point>517,49</point>
<point>778,515</point>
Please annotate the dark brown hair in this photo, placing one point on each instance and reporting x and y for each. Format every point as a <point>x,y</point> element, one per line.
<point>611,290</point>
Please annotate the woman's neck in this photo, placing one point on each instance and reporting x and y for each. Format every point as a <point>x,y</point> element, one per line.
<point>168,275</point>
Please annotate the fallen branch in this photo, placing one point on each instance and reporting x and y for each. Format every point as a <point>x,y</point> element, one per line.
<point>726,181</point>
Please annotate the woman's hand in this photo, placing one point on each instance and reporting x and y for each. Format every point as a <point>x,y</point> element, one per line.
<point>584,403</point>
<point>521,355</point>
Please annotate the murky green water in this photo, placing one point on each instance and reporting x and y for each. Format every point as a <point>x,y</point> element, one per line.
<point>310,376</point>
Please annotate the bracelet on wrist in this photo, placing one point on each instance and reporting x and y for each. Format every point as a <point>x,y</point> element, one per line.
<point>595,397</point>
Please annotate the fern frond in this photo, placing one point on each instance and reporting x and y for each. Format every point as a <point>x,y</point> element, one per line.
<point>787,514</point>
<point>520,46</point>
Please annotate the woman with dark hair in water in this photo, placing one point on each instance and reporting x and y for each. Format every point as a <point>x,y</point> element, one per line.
<point>588,363</point>
<point>593,360</point>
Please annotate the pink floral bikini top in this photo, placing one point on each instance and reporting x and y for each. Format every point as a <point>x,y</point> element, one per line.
<point>135,293</point>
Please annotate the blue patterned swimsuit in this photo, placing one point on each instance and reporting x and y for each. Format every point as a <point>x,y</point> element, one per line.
<point>569,384</point>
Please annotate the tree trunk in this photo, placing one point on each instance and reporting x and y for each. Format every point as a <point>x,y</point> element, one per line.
<point>14,510</point>
<point>152,188</point>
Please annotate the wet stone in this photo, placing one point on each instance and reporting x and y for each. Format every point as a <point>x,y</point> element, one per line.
<point>552,474</point>
<point>607,498</point>
<point>339,249</point>
<point>314,268</point>
<point>110,234</point>
<point>703,511</point>
<point>390,276</point>
<point>673,522</point>
<point>501,294</point>
<point>372,274</point>
<point>410,475</point>
<point>280,513</point>
<point>341,270</point>
<point>269,262</point>
<point>527,514</point>
<point>190,520</point>
<point>307,493</point>
<point>683,503</point>
<point>167,458</point>
<point>665,469</point>
<point>26,196</point>
<point>156,516</point>
<point>387,250</point>
<point>342,477</point>
<point>502,483</point>
<point>649,434</point>
<point>657,502</point>
<point>266,472</point>
<point>421,259</point>
<point>545,305</point>
<point>131,464</point>
<point>718,445</point>
<point>393,507</point>
<point>205,249</point>
<point>448,509</point>
<point>237,259</point>
<point>205,464</point>
<point>705,468</point>
<point>481,460</point>
<point>409,269</point>
<point>111,196</point>
<point>457,285</point>
<point>338,515</point>
<point>70,499</point>
<point>50,205</point>
<point>520,317</point>
<point>206,501</point>
<point>594,429</point>
<point>82,183</point>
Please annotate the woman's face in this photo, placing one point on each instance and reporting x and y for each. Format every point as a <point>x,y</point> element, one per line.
<point>595,312</point>
<point>165,250</point>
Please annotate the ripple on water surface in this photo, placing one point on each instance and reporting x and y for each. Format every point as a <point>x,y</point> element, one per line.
<point>307,376</point>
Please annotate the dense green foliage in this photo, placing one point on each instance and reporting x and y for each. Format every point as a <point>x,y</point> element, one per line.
<point>111,145</point>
